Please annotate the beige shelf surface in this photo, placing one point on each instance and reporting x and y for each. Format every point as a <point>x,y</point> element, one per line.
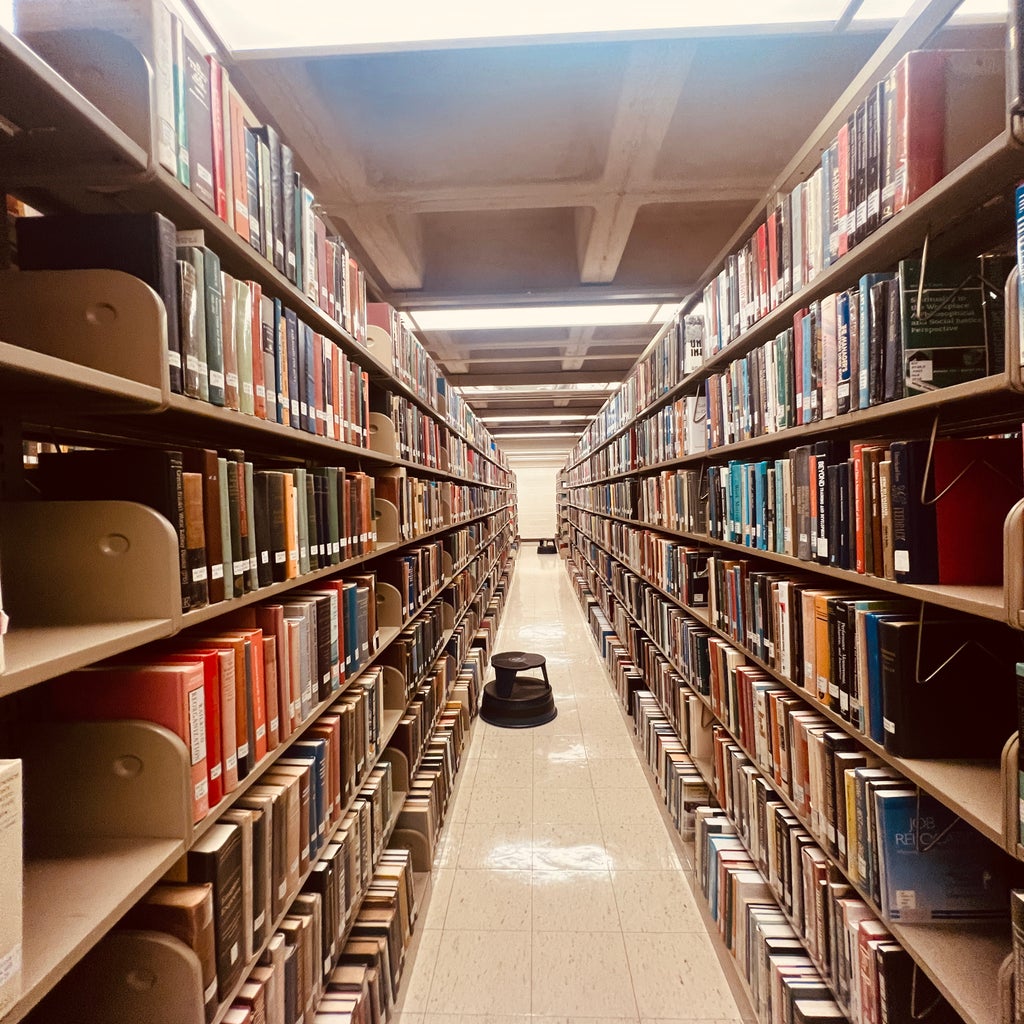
<point>35,653</point>
<point>74,897</point>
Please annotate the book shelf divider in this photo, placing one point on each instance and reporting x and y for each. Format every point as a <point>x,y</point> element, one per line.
<point>1010,774</point>
<point>1013,565</point>
<point>386,516</point>
<point>389,606</point>
<point>383,436</point>
<point>105,320</point>
<point>394,688</point>
<point>115,779</point>
<point>71,562</point>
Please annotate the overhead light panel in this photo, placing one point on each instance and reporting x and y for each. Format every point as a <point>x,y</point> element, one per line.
<point>532,434</point>
<point>539,317</point>
<point>538,418</point>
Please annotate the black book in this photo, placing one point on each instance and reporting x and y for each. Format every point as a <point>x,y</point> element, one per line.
<point>914,534</point>
<point>252,179</point>
<point>903,988</point>
<point>835,741</point>
<point>823,457</point>
<point>199,119</point>
<point>800,458</point>
<point>878,323</point>
<point>312,525</point>
<point>141,244</point>
<point>235,587</point>
<point>288,213</point>
<point>851,182</point>
<point>861,173</point>
<point>273,142</point>
<point>832,499</point>
<point>216,858</point>
<point>844,559</point>
<point>149,476</point>
<point>872,183</point>
<point>892,360</point>
<point>204,462</point>
<point>956,700</point>
<point>261,517</point>
<point>292,1010</point>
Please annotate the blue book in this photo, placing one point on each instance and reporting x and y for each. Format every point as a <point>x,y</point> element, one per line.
<point>760,497</point>
<point>874,688</point>
<point>736,502</point>
<point>318,751</point>
<point>1019,208</point>
<point>843,365</point>
<point>864,341</point>
<point>933,866</point>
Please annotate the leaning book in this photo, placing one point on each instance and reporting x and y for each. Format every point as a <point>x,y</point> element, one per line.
<point>933,866</point>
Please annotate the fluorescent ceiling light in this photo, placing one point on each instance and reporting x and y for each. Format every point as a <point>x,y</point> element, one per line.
<point>538,418</point>
<point>533,317</point>
<point>547,433</point>
<point>409,24</point>
<point>890,10</point>
<point>504,390</point>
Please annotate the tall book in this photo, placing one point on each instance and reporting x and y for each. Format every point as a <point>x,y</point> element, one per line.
<point>12,829</point>
<point>200,123</point>
<point>140,244</point>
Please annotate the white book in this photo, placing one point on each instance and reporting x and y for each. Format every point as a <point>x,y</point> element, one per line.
<point>11,871</point>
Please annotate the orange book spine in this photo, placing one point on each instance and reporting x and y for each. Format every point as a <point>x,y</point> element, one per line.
<point>291,529</point>
<point>239,178</point>
<point>259,383</point>
<point>271,688</point>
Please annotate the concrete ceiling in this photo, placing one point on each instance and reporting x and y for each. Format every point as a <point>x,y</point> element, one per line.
<point>550,173</point>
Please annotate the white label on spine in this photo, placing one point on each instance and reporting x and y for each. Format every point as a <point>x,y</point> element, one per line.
<point>261,391</point>
<point>217,571</point>
<point>243,749</point>
<point>199,574</point>
<point>216,379</point>
<point>231,762</point>
<point>261,731</point>
<point>201,789</point>
<point>232,380</point>
<point>279,557</point>
<point>240,565</point>
<point>264,558</point>
<point>216,771</point>
<point>197,725</point>
<point>901,560</point>
<point>174,358</point>
<point>889,725</point>
<point>191,363</point>
<point>252,563</point>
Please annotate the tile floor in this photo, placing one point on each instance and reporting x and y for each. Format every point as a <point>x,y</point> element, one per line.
<point>559,896</point>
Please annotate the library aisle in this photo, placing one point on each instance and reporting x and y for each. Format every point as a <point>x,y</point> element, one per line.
<point>559,893</point>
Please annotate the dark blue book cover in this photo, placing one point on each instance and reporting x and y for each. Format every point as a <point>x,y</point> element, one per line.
<point>933,866</point>
<point>293,354</point>
<point>308,382</point>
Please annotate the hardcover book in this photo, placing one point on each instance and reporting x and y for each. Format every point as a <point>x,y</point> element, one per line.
<point>12,829</point>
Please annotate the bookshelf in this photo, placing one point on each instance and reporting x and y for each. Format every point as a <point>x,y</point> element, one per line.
<point>85,581</point>
<point>623,518</point>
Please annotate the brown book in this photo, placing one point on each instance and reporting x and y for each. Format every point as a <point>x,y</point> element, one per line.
<point>295,829</point>
<point>231,390</point>
<point>197,572</point>
<point>204,462</point>
<point>271,800</point>
<point>186,912</point>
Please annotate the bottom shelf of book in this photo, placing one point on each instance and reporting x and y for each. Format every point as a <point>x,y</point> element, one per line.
<point>74,895</point>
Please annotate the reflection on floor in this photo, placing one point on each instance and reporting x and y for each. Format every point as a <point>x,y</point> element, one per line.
<point>558,892</point>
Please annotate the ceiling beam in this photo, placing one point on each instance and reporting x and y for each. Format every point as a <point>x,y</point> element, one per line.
<point>392,241</point>
<point>533,378</point>
<point>591,293</point>
<point>651,86</point>
<point>512,357</point>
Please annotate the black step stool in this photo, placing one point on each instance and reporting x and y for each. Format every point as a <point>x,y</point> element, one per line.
<point>512,701</point>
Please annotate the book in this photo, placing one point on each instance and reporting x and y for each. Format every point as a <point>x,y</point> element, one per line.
<point>150,476</point>
<point>186,912</point>
<point>166,694</point>
<point>216,858</point>
<point>933,866</point>
<point>199,118</point>
<point>140,244</point>
<point>959,333</point>
<point>12,829</point>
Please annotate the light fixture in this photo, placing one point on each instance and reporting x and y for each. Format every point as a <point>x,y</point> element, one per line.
<point>538,418</point>
<point>496,318</point>
<point>547,433</point>
<point>505,390</point>
<point>326,26</point>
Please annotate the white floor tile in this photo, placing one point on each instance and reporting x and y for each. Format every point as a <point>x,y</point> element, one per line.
<point>574,901</point>
<point>639,847</point>
<point>678,973</point>
<point>564,806</point>
<point>561,775</point>
<point>504,774</point>
<point>504,847</point>
<point>622,807</point>
<point>482,972</point>
<point>440,891</point>
<point>484,900</point>
<point>581,974</point>
<point>576,847</point>
<point>500,806</point>
<point>618,773</point>
<point>416,983</point>
<point>655,901</point>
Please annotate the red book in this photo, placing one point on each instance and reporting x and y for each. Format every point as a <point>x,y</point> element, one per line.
<point>843,155</point>
<point>772,231</point>
<point>920,120</point>
<point>365,426</point>
<point>763,286</point>
<point>239,217</point>
<point>270,618</point>
<point>235,646</point>
<point>969,532</point>
<point>272,691</point>
<point>210,661</point>
<point>167,695</point>
<point>220,163</point>
<point>257,684</point>
<point>336,392</point>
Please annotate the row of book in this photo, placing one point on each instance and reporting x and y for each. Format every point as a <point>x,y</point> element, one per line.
<point>891,337</point>
<point>675,355</point>
<point>229,344</point>
<point>768,884</point>
<point>238,528</point>
<point>212,142</point>
<point>931,111</point>
<point>415,367</point>
<point>830,781</point>
<point>292,846</point>
<point>234,692</point>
